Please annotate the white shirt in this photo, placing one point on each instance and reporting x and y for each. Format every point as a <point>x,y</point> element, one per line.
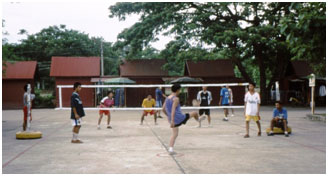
<point>209,96</point>
<point>104,99</point>
<point>251,103</point>
<point>322,91</point>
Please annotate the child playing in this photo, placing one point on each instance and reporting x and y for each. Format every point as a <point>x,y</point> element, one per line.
<point>148,102</point>
<point>172,110</point>
<point>106,102</point>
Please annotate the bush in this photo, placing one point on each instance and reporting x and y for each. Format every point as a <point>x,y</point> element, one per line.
<point>43,101</point>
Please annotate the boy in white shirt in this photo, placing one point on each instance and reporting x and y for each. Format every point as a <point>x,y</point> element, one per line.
<point>252,108</point>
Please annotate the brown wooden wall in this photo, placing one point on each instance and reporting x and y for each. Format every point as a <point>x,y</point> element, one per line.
<point>238,91</point>
<point>13,92</point>
<point>87,94</point>
<point>134,96</point>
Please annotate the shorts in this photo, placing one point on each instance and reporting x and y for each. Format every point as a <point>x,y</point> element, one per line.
<point>279,124</point>
<point>106,112</point>
<point>255,118</point>
<point>25,112</point>
<point>184,121</point>
<point>152,112</point>
<point>76,122</point>
<point>202,111</point>
<point>159,103</point>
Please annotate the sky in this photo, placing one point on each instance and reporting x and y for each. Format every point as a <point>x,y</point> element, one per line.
<point>90,17</point>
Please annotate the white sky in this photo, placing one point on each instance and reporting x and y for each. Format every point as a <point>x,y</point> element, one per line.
<point>90,17</point>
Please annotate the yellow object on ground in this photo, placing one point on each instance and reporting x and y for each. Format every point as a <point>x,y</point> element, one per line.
<point>28,135</point>
<point>277,130</point>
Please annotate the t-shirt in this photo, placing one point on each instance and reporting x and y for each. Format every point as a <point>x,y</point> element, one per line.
<point>159,94</point>
<point>179,116</point>
<point>205,98</point>
<point>107,102</point>
<point>282,114</point>
<point>251,103</point>
<point>76,103</point>
<point>148,104</point>
<point>225,96</point>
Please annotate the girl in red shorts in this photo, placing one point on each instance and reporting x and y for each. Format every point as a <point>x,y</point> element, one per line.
<point>106,102</point>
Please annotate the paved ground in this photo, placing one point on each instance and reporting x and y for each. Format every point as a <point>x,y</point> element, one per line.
<point>131,148</point>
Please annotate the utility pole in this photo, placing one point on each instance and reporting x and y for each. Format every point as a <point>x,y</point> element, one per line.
<point>102,63</point>
<point>102,59</point>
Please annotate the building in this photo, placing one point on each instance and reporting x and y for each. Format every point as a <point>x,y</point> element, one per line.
<point>214,71</point>
<point>15,76</point>
<point>68,70</point>
<point>295,84</point>
<point>143,71</point>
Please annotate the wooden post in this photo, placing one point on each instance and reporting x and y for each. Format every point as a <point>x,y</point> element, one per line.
<point>312,85</point>
<point>312,99</point>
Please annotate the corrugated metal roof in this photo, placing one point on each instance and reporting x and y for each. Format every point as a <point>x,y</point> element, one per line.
<point>102,79</point>
<point>143,67</point>
<point>19,70</point>
<point>210,68</point>
<point>75,66</point>
<point>301,68</point>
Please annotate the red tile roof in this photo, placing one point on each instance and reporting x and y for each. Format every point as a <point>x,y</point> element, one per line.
<point>75,66</point>
<point>210,68</point>
<point>19,70</point>
<point>143,68</point>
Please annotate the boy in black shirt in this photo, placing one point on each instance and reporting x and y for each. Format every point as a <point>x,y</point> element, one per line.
<point>77,112</point>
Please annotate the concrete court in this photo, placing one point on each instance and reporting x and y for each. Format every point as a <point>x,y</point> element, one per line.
<point>131,148</point>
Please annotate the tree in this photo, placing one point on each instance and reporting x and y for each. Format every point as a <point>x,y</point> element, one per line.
<point>248,33</point>
<point>305,28</point>
<point>59,41</point>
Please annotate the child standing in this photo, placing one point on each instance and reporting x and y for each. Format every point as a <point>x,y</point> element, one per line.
<point>77,112</point>
<point>252,108</point>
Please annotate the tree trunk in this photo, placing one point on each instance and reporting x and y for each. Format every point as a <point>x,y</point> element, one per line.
<point>242,69</point>
<point>259,58</point>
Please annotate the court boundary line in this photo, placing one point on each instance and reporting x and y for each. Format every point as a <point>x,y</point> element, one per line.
<point>161,141</point>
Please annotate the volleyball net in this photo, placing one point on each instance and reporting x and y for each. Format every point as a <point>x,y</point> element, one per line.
<point>61,87</point>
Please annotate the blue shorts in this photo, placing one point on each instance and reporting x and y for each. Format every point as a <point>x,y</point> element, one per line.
<point>159,103</point>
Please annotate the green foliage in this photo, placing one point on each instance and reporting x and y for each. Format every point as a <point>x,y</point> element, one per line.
<point>251,34</point>
<point>43,101</point>
<point>305,27</point>
<point>59,41</point>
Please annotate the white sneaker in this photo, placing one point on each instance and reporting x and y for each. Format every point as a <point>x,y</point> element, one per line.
<point>225,119</point>
<point>98,127</point>
<point>232,115</point>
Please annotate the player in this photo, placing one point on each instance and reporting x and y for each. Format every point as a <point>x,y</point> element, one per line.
<point>106,102</point>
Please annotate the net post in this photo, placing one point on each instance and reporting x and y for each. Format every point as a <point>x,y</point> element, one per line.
<point>28,107</point>
<point>60,97</point>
